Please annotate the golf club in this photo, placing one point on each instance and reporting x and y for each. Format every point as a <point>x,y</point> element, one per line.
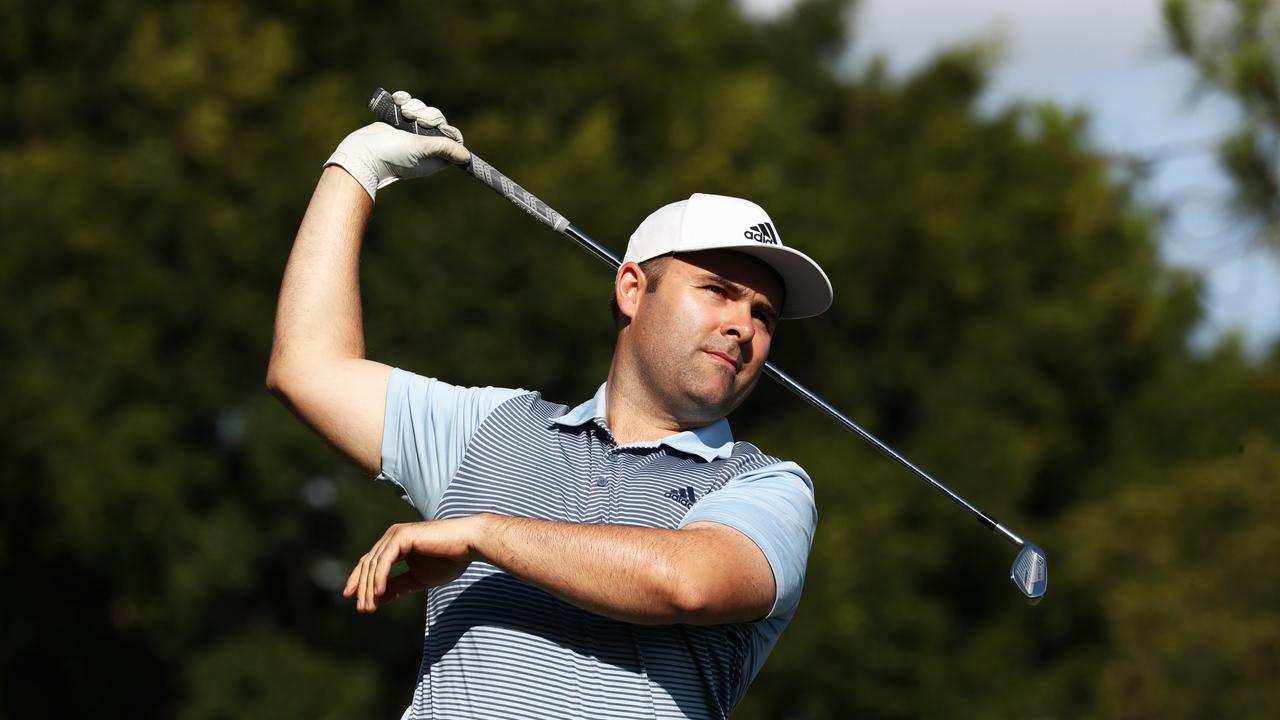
<point>1030,570</point>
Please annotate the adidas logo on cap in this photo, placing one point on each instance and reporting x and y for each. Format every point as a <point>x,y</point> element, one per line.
<point>762,233</point>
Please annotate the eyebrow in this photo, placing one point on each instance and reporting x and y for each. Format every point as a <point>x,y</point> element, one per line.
<point>762,303</point>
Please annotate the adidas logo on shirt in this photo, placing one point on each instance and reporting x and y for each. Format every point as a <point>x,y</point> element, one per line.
<point>762,233</point>
<point>685,496</point>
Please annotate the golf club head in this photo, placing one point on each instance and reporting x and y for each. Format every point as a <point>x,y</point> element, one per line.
<point>1030,572</point>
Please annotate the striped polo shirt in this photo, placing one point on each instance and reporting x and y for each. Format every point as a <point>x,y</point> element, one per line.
<point>497,647</point>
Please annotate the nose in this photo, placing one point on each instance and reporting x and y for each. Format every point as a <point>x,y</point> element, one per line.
<point>738,323</point>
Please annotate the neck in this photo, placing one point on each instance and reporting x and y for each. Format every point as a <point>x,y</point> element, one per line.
<point>634,414</point>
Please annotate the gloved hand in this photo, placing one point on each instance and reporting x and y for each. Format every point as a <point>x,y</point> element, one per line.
<point>377,155</point>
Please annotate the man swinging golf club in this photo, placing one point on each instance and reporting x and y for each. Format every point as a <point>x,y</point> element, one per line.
<point>621,558</point>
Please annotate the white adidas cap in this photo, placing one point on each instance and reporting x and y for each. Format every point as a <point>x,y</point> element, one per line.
<point>719,222</point>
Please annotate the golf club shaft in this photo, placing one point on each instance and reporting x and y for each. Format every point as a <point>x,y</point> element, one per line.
<point>387,111</point>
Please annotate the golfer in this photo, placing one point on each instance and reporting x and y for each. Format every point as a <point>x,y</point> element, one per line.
<point>625,557</point>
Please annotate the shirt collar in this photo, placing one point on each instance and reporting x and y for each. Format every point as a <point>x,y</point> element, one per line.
<point>709,442</point>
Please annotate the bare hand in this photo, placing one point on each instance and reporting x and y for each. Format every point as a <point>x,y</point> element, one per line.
<point>436,552</point>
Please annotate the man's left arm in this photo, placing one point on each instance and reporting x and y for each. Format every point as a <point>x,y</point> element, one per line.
<point>729,567</point>
<point>705,573</point>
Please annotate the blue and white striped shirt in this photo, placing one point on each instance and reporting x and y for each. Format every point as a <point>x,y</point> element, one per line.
<point>497,647</point>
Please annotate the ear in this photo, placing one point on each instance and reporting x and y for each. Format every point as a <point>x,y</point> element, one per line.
<point>628,287</point>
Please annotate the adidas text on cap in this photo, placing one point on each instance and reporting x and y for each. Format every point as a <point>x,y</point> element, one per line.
<point>719,222</point>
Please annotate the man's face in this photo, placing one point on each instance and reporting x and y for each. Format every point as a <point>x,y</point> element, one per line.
<point>703,336</point>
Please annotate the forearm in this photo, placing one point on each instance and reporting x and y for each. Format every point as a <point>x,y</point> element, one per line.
<point>319,317</point>
<point>701,575</point>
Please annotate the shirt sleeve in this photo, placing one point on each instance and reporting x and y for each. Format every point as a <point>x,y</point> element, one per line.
<point>426,427</point>
<point>773,506</point>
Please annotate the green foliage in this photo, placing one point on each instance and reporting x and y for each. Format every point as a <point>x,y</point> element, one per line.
<point>1001,317</point>
<point>221,685</point>
<point>1235,46</point>
<point>1194,633</point>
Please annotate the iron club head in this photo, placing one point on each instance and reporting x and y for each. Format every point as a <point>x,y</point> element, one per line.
<point>1030,572</point>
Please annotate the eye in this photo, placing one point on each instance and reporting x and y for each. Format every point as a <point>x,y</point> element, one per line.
<point>717,290</point>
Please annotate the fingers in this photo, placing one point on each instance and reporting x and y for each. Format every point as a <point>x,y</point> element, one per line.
<point>436,553</point>
<point>377,565</point>
<point>450,131</point>
<point>392,549</point>
<point>453,152</point>
<point>425,115</point>
<point>367,580</point>
<point>431,118</point>
<point>397,587</point>
<point>353,582</point>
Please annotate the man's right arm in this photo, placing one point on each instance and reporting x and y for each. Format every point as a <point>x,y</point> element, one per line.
<point>317,362</point>
<point>317,366</point>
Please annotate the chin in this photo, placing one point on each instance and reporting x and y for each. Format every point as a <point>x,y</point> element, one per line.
<point>715,404</point>
<point>711,396</point>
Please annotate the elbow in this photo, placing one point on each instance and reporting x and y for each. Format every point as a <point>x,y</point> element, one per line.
<point>273,380</point>
<point>689,601</point>
<point>278,378</point>
<point>701,596</point>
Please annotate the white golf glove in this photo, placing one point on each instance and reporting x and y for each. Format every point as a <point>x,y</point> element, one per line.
<point>377,155</point>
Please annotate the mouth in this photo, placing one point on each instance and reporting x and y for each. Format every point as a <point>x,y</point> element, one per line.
<point>725,359</point>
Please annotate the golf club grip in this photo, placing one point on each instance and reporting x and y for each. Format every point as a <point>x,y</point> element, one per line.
<point>385,108</point>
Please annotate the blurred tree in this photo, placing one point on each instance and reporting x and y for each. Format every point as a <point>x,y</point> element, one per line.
<point>1235,45</point>
<point>177,539</point>
<point>1184,571</point>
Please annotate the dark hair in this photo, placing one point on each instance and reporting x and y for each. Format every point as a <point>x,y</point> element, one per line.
<point>652,269</point>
